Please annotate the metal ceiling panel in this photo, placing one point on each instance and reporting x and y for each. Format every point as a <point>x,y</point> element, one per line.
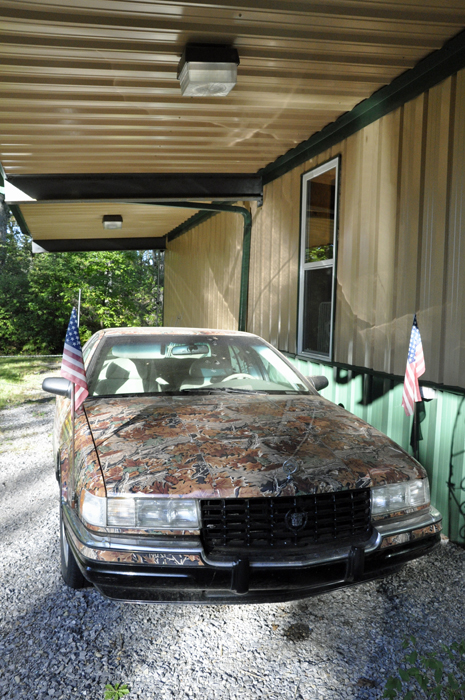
<point>78,225</point>
<point>90,86</point>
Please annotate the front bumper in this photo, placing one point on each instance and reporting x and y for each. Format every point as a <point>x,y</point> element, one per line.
<point>177,570</point>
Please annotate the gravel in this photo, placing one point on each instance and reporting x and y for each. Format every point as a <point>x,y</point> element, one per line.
<point>59,643</point>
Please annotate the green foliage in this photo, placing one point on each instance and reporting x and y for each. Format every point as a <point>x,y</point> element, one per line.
<point>115,692</point>
<point>429,675</point>
<point>37,293</point>
<point>15,259</point>
<point>319,252</point>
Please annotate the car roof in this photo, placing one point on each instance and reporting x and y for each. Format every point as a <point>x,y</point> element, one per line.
<point>164,330</point>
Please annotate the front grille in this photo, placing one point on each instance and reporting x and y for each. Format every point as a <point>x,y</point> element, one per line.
<point>255,524</point>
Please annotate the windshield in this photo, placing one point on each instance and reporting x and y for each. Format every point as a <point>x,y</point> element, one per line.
<point>189,363</point>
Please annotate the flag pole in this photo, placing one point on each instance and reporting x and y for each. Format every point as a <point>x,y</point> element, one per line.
<point>79,309</point>
<point>71,455</point>
<point>73,391</point>
<point>416,451</point>
<point>415,413</point>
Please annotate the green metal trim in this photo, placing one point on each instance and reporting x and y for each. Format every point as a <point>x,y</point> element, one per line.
<point>20,220</point>
<point>2,176</point>
<point>356,369</point>
<point>430,71</point>
<point>190,223</point>
<point>210,210</point>
<point>244,290</point>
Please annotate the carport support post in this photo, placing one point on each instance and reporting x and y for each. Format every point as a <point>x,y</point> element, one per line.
<point>245,266</point>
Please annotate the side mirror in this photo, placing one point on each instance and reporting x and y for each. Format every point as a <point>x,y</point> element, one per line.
<point>57,385</point>
<point>319,382</point>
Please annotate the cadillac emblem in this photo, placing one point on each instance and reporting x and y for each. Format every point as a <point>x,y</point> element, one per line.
<point>295,520</point>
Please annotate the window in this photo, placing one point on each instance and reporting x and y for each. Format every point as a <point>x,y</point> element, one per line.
<point>317,256</point>
<point>89,347</point>
<point>146,363</point>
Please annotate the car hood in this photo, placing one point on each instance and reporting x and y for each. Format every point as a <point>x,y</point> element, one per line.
<point>238,445</point>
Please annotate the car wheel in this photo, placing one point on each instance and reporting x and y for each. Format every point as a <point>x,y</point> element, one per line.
<point>69,569</point>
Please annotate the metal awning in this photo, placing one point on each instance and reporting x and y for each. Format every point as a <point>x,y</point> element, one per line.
<point>90,96</point>
<point>140,187</point>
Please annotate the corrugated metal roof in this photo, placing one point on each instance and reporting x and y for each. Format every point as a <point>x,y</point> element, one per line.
<point>80,220</point>
<point>90,85</point>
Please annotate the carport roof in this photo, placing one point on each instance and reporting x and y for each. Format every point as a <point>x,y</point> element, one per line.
<point>90,87</point>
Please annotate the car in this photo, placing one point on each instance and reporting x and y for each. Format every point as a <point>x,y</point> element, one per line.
<point>204,468</point>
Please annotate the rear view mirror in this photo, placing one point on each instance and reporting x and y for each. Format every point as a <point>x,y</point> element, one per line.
<point>319,382</point>
<point>58,386</point>
<point>194,349</point>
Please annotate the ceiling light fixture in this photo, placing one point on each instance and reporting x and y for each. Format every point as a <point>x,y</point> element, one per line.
<point>208,70</point>
<point>112,221</point>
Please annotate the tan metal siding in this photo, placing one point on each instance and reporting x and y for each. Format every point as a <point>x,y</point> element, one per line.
<point>384,282</point>
<point>401,244</point>
<point>347,261</point>
<point>434,230</point>
<point>274,262</point>
<point>410,190</point>
<point>202,275</point>
<point>366,241</point>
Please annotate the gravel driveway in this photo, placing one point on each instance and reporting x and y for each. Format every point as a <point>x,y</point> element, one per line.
<point>59,643</point>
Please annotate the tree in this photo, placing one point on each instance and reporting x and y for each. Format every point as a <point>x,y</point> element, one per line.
<point>37,293</point>
<point>15,262</point>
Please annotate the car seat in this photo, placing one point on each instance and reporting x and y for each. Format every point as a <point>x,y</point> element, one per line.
<point>121,377</point>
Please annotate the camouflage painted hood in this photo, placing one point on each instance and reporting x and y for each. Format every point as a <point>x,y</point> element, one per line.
<point>238,445</point>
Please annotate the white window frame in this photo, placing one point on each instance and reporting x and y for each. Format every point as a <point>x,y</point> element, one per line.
<point>306,177</point>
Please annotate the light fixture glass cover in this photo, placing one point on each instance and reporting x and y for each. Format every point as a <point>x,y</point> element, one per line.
<point>208,70</point>
<point>112,221</point>
<point>207,79</point>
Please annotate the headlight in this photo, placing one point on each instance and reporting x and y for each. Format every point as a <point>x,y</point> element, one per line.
<point>407,496</point>
<point>153,513</point>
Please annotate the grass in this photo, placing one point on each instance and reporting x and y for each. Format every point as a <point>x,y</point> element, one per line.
<point>21,378</point>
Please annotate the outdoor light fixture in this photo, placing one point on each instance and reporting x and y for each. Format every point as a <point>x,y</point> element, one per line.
<point>208,70</point>
<point>112,221</point>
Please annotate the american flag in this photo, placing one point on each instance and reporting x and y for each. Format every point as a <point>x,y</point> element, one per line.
<point>415,368</point>
<point>72,366</point>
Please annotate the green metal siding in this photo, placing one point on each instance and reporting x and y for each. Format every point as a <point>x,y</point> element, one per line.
<point>377,399</point>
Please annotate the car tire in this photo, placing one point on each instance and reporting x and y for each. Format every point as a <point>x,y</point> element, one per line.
<point>70,571</point>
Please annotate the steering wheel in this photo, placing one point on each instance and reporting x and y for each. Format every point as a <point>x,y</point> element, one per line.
<point>237,375</point>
